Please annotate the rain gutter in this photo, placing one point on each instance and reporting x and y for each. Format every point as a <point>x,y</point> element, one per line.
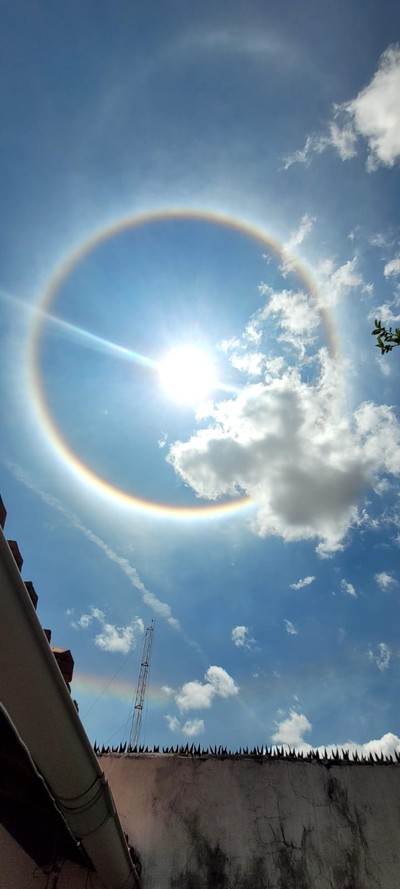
<point>34,694</point>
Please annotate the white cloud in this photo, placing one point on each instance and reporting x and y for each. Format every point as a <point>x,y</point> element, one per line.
<point>384,580</point>
<point>251,363</point>
<point>375,112</point>
<point>296,239</point>
<point>196,695</point>
<point>250,441</point>
<point>111,637</point>
<point>121,639</point>
<point>295,312</point>
<point>173,723</point>
<point>167,690</point>
<point>382,657</point>
<point>387,745</point>
<point>374,115</point>
<point>240,637</point>
<point>291,730</point>
<point>302,583</point>
<point>190,728</point>
<point>193,727</point>
<point>290,628</point>
<point>222,683</point>
<point>392,268</point>
<point>348,588</point>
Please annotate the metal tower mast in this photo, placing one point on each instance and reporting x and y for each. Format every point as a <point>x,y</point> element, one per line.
<point>141,687</point>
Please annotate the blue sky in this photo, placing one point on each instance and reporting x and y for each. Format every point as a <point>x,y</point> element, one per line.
<point>220,184</point>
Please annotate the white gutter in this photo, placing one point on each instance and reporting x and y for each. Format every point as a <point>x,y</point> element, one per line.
<point>36,697</point>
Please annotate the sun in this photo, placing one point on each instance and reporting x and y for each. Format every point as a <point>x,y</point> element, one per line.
<point>187,374</point>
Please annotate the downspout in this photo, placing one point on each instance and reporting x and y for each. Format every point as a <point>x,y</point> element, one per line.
<point>36,697</point>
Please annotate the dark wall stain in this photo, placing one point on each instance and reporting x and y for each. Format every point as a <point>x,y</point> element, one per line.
<point>213,869</point>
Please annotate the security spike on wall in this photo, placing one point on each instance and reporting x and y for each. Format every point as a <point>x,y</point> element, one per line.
<point>333,755</point>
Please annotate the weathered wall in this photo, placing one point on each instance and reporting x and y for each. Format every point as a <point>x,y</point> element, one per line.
<point>256,823</point>
<point>19,871</point>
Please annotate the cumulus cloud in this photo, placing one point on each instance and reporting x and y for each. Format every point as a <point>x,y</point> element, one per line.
<point>197,695</point>
<point>240,637</point>
<point>348,588</point>
<point>190,728</point>
<point>374,115</point>
<point>381,657</point>
<point>247,447</point>
<point>385,580</point>
<point>291,731</point>
<point>111,637</point>
<point>305,581</point>
<point>290,628</point>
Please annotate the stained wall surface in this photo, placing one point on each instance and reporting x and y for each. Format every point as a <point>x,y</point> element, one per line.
<point>257,823</point>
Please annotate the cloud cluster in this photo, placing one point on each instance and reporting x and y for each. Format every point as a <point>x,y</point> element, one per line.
<point>374,115</point>
<point>240,637</point>
<point>195,695</point>
<point>284,444</point>
<point>111,637</point>
<point>291,730</point>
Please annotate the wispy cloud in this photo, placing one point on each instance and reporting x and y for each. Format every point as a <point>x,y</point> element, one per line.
<point>162,609</point>
<point>392,268</point>
<point>348,588</point>
<point>302,583</point>
<point>373,115</point>
<point>240,637</point>
<point>385,580</point>
<point>295,240</point>
<point>112,638</point>
<point>290,628</point>
<point>381,657</point>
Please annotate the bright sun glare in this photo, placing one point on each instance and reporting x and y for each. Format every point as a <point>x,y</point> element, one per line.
<point>187,374</point>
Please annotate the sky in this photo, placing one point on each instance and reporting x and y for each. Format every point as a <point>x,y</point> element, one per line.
<point>199,223</point>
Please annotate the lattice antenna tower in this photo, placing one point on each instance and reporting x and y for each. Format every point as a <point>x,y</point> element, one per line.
<point>141,687</point>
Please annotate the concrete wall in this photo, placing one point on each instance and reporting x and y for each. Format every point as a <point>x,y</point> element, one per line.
<point>256,823</point>
<point>19,871</point>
